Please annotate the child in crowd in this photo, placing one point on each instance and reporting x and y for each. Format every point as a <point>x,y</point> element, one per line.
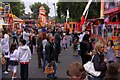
<point>24,57</point>
<point>75,47</point>
<point>14,55</point>
<point>64,41</point>
<point>71,39</point>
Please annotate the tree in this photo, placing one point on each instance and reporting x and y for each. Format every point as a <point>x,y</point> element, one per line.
<point>18,8</point>
<point>35,9</point>
<point>94,11</point>
<point>76,9</point>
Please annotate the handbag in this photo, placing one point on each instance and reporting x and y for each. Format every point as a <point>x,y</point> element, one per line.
<point>89,68</point>
<point>3,61</point>
<point>49,69</point>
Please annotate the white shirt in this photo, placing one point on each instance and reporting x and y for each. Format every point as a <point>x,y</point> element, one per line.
<point>14,55</point>
<point>26,36</point>
<point>25,53</point>
<point>5,45</point>
<point>44,44</point>
<point>7,37</point>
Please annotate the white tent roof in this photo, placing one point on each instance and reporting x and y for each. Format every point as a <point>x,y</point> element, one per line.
<point>17,19</point>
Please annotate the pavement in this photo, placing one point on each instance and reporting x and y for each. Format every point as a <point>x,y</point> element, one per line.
<point>66,58</point>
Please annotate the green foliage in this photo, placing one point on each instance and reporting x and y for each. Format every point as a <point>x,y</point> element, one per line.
<point>35,9</point>
<point>18,8</point>
<point>76,10</point>
<point>94,11</point>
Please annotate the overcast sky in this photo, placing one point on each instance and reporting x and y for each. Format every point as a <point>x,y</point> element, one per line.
<point>50,4</point>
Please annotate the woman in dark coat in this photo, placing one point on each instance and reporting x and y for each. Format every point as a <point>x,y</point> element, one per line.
<point>85,49</point>
<point>99,62</point>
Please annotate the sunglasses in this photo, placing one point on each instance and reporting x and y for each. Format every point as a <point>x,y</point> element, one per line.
<point>102,47</point>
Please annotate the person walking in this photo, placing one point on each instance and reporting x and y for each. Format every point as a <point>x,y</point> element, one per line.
<point>6,51</point>
<point>39,48</point>
<point>64,41</point>
<point>50,56</point>
<point>26,36</point>
<point>44,42</point>
<point>14,56</point>
<point>75,47</point>
<point>33,42</point>
<point>15,35</point>
<point>85,49</point>
<point>24,57</point>
<point>110,52</point>
<point>57,45</point>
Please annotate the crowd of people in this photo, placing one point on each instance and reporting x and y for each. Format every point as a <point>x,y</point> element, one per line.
<point>47,43</point>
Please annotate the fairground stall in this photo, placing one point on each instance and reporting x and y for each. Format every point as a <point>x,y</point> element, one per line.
<point>108,26</point>
<point>112,14</point>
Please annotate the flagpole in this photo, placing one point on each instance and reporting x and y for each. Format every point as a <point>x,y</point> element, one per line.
<point>102,9</point>
<point>86,8</point>
<point>83,15</point>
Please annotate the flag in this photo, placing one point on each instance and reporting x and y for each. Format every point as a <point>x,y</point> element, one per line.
<point>82,20</point>
<point>106,20</point>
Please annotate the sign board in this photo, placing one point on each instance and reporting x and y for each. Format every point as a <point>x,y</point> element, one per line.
<point>116,40</point>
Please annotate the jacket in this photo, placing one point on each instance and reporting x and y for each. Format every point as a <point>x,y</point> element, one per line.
<point>99,64</point>
<point>57,38</point>
<point>50,52</point>
<point>25,53</point>
<point>15,55</point>
<point>39,45</point>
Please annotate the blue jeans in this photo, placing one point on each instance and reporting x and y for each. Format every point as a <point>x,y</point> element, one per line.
<point>44,62</point>
<point>50,76</point>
